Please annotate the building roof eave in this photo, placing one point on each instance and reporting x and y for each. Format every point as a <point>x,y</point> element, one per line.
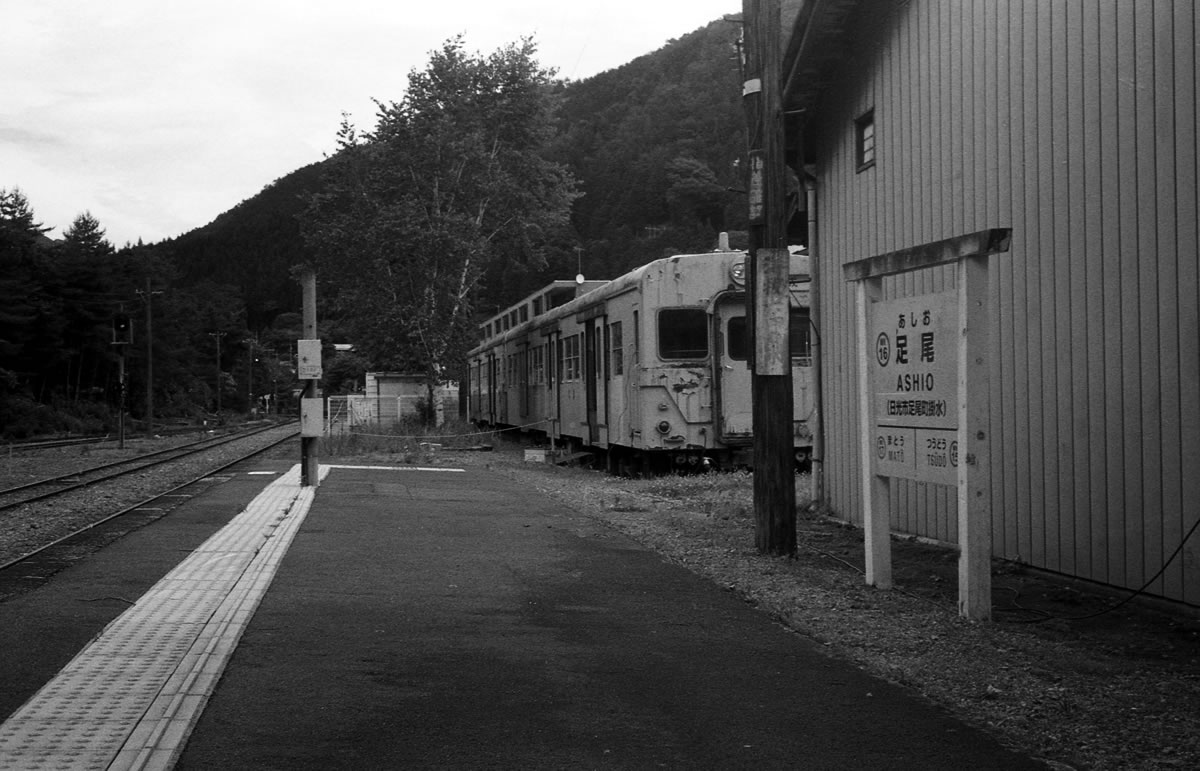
<point>814,47</point>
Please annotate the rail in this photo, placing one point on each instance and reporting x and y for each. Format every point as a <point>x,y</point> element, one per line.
<point>145,505</point>
<point>101,473</point>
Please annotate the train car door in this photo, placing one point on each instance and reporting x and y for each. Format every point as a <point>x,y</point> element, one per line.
<point>523,376</point>
<point>735,420</point>
<point>491,388</point>
<point>591,377</point>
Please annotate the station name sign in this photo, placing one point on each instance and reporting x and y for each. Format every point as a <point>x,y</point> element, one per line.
<point>914,387</point>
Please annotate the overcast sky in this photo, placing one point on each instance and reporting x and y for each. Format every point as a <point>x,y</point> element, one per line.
<point>158,115</point>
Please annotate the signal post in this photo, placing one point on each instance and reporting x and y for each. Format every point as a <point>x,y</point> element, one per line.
<point>122,336</point>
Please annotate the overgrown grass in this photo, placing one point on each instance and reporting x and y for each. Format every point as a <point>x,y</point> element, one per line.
<point>23,418</point>
<point>725,495</point>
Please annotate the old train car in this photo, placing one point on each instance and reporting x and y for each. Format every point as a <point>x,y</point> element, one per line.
<point>649,370</point>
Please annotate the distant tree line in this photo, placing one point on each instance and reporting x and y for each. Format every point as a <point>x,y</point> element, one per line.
<point>59,347</point>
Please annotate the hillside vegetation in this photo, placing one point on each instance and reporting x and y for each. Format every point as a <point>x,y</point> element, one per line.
<point>655,147</point>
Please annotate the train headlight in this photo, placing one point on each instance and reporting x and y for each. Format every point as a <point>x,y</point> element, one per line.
<point>737,272</point>
<point>663,427</point>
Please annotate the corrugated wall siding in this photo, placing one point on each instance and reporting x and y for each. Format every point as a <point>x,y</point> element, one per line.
<point>1074,122</point>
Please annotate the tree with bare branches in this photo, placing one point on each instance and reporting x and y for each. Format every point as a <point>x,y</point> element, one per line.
<point>451,185</point>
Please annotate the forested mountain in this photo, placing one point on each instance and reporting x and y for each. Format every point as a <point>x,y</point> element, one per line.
<point>253,246</point>
<point>654,145</point>
<point>635,163</point>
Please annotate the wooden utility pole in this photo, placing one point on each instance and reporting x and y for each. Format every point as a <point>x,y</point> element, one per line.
<point>217,336</point>
<point>147,295</point>
<point>767,285</point>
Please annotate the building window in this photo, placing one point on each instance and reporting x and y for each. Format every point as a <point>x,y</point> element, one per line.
<point>864,129</point>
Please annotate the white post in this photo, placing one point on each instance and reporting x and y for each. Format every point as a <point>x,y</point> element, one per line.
<point>974,470</point>
<point>876,504</point>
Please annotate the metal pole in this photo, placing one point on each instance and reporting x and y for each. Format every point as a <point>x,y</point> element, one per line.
<point>814,308</point>
<point>309,469</point>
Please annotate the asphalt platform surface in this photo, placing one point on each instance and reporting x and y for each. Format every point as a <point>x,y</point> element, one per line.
<point>456,620</point>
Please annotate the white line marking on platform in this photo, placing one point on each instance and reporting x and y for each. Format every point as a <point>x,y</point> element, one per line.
<point>261,473</point>
<point>398,468</point>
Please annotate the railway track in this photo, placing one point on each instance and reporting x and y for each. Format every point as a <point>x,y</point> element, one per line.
<point>37,445</point>
<point>50,487</point>
<point>48,524</point>
<point>50,444</point>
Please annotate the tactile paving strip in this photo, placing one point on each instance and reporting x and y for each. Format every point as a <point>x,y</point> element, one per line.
<point>131,697</point>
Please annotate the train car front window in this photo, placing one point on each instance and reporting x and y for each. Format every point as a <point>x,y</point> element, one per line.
<point>682,333</point>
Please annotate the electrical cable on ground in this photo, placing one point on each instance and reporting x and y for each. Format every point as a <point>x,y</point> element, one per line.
<point>1122,603</point>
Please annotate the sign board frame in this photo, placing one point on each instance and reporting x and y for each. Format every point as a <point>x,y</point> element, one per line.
<point>972,357</point>
<point>913,373</point>
<point>312,417</point>
<point>308,360</point>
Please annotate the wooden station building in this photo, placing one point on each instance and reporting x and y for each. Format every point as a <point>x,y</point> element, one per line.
<point>1074,124</point>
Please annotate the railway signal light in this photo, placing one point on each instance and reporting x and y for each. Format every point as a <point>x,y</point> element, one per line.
<point>122,330</point>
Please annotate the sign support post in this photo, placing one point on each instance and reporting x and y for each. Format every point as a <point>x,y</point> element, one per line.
<point>923,400</point>
<point>876,489</point>
<point>974,474</point>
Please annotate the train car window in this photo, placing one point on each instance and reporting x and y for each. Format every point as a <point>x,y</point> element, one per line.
<point>799,337</point>
<point>617,347</point>
<point>571,360</point>
<point>737,337</point>
<point>682,333</point>
<point>537,365</point>
<point>637,340</point>
<point>737,340</point>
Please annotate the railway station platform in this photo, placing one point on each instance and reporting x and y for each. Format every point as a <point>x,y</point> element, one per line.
<point>400,617</point>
